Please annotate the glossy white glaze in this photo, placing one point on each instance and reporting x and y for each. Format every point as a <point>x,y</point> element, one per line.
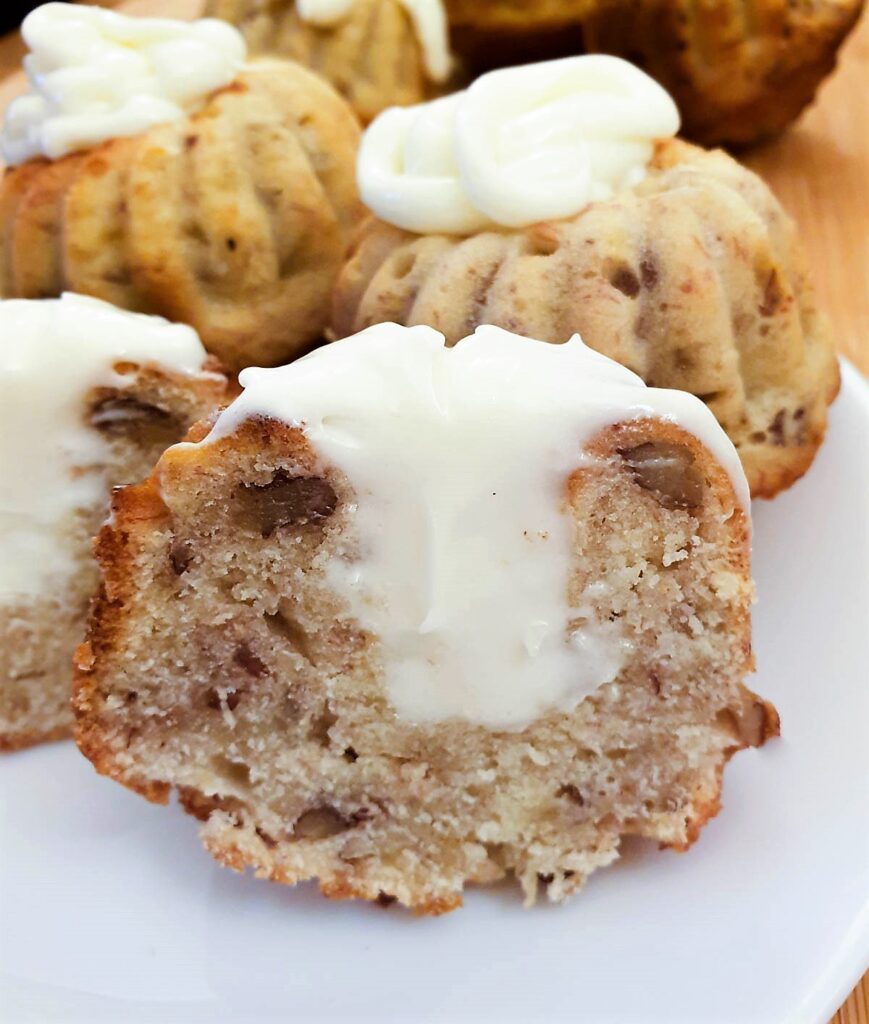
<point>458,458</point>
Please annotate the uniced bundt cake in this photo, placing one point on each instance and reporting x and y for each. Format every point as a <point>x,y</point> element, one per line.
<point>89,398</point>
<point>153,169</point>
<point>376,53</point>
<point>740,70</point>
<point>411,617</point>
<point>550,200</point>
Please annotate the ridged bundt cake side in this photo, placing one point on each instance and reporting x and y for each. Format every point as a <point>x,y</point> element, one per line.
<point>235,219</point>
<point>371,55</point>
<point>240,677</point>
<point>693,279</point>
<point>739,71</point>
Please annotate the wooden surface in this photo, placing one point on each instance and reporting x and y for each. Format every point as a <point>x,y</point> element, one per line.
<point>820,171</point>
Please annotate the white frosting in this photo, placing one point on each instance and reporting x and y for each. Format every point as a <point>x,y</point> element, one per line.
<point>458,458</point>
<point>429,21</point>
<point>95,75</point>
<point>521,145</point>
<point>53,352</point>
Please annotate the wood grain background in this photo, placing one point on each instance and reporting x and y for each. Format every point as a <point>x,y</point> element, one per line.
<point>820,171</point>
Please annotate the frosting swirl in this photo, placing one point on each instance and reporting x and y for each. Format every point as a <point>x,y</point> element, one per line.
<point>95,75</point>
<point>429,21</point>
<point>520,145</point>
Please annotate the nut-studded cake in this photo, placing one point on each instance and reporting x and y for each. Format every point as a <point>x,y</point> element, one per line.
<point>410,617</point>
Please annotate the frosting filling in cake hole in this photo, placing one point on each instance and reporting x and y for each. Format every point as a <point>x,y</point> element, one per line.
<point>429,21</point>
<point>55,352</point>
<point>94,75</point>
<point>458,460</point>
<point>521,145</point>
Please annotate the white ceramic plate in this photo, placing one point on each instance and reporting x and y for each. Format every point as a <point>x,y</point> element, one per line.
<point>111,911</point>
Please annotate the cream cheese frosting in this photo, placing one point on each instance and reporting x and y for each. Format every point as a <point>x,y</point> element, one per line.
<point>94,74</point>
<point>458,458</point>
<point>53,353</point>
<point>429,21</point>
<point>521,145</point>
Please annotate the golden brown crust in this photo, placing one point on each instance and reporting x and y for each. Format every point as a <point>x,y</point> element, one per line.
<point>427,906</point>
<point>139,505</point>
<point>234,220</point>
<point>12,741</point>
<point>694,280</point>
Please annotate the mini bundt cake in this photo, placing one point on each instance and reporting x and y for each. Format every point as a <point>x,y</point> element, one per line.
<point>89,398</point>
<point>376,53</point>
<point>214,193</point>
<point>740,70</point>
<point>411,617</point>
<point>677,262</point>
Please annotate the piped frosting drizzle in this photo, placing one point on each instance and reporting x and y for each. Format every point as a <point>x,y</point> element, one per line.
<point>521,145</point>
<point>95,74</point>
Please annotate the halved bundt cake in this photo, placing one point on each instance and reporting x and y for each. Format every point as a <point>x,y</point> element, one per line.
<point>233,214</point>
<point>411,617</point>
<point>89,398</point>
<point>676,262</point>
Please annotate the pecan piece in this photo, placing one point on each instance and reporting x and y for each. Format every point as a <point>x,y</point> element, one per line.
<point>668,471</point>
<point>289,501</point>
<point>124,416</point>
<point>320,823</point>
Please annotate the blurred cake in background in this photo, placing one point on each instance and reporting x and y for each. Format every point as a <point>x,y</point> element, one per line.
<point>739,71</point>
<point>376,53</point>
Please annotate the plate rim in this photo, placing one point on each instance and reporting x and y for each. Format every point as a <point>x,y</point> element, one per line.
<point>847,962</point>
